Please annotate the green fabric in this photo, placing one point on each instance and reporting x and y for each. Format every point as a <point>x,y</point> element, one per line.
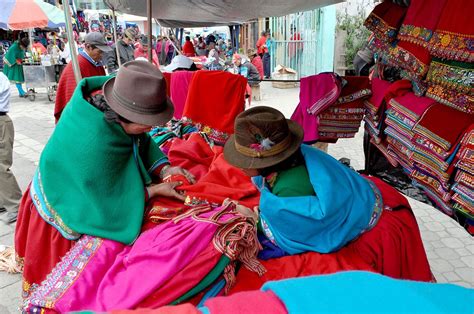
<point>293,182</point>
<point>89,171</point>
<point>206,281</point>
<point>12,70</point>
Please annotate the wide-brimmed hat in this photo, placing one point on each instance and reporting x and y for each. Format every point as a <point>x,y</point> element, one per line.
<point>138,93</point>
<point>263,138</point>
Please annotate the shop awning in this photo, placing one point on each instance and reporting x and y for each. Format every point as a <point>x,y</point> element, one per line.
<point>198,13</point>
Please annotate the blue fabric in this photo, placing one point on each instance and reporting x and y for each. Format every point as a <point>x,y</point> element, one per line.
<point>269,250</point>
<point>214,291</point>
<point>364,292</point>
<point>324,223</point>
<point>20,89</point>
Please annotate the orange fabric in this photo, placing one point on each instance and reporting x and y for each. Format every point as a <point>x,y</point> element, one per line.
<point>27,14</point>
<point>215,98</point>
<point>67,83</point>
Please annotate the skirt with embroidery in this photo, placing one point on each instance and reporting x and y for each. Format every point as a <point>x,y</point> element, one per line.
<point>38,245</point>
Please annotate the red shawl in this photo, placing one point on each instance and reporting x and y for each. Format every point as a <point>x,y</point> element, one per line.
<point>385,20</point>
<point>67,83</point>
<point>453,38</point>
<point>215,98</point>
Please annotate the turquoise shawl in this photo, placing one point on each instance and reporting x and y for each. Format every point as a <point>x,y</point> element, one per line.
<point>345,205</point>
<point>364,292</point>
<point>92,175</point>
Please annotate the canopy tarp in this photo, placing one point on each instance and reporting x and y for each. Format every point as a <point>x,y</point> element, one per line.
<point>198,13</point>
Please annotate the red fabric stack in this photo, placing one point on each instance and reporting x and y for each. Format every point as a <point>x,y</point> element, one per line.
<point>436,142</point>
<point>342,120</point>
<point>463,188</point>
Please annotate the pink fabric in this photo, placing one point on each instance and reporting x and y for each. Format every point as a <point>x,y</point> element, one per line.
<point>317,93</point>
<point>120,277</point>
<point>180,81</point>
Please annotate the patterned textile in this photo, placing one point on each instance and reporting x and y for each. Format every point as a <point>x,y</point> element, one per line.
<point>453,38</point>
<point>465,178</point>
<point>451,98</point>
<point>436,125</point>
<point>342,118</point>
<point>385,20</point>
<point>453,75</point>
<point>317,93</point>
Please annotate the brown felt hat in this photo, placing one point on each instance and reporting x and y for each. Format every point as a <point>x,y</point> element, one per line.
<point>138,93</point>
<point>262,138</point>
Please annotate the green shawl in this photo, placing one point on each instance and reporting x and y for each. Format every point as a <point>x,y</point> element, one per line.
<point>92,175</point>
<point>12,70</point>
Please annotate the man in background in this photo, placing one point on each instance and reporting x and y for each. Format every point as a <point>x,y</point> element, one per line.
<point>125,48</point>
<point>10,193</point>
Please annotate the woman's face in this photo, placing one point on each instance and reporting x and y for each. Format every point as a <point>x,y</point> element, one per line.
<point>135,128</point>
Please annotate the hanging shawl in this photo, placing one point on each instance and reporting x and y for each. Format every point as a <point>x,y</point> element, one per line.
<point>180,81</point>
<point>385,20</point>
<point>453,38</point>
<point>91,177</point>
<point>214,99</point>
<point>345,206</point>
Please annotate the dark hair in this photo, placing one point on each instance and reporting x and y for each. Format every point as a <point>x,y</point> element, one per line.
<point>187,38</point>
<point>25,42</point>
<point>294,160</point>
<point>193,67</point>
<point>110,116</point>
<point>264,33</point>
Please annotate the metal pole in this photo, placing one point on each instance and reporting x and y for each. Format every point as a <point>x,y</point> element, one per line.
<point>72,43</point>
<point>150,46</point>
<point>117,51</point>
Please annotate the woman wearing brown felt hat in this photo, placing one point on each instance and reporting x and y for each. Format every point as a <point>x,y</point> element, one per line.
<point>311,202</point>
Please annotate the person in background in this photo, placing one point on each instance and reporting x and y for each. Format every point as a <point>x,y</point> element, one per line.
<point>363,61</point>
<point>201,47</point>
<point>142,50</point>
<point>229,51</point>
<point>262,44</point>
<point>10,193</point>
<point>13,67</point>
<point>125,48</point>
<point>213,61</point>
<point>65,54</point>
<point>38,46</point>
<point>188,48</point>
<point>266,56</point>
<point>211,46</point>
<point>90,64</point>
<point>295,48</point>
<point>169,49</point>
<point>256,61</point>
<point>246,69</point>
<point>160,50</point>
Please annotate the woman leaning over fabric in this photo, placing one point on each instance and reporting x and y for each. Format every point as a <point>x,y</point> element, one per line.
<point>13,64</point>
<point>311,202</point>
<point>97,170</point>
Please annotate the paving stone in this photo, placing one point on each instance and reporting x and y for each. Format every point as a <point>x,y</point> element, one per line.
<point>457,263</point>
<point>462,251</point>
<point>446,253</point>
<point>433,225</point>
<point>441,265</point>
<point>470,248</point>
<point>10,298</point>
<point>468,260</point>
<point>466,273</point>
<point>451,276</point>
<point>5,229</point>
<point>452,242</point>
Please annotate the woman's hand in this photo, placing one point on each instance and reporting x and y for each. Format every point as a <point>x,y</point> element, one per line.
<point>167,189</point>
<point>168,171</point>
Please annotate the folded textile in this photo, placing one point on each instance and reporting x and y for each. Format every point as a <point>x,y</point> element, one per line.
<point>317,93</point>
<point>375,105</point>
<point>453,75</point>
<point>215,116</point>
<point>433,184</point>
<point>465,192</point>
<point>453,37</point>
<point>465,178</point>
<point>410,105</point>
<point>440,204</point>
<point>437,125</point>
